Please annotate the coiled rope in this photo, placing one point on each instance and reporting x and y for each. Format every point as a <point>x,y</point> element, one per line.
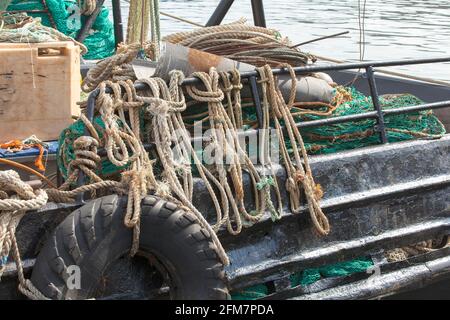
<point>12,209</point>
<point>242,42</point>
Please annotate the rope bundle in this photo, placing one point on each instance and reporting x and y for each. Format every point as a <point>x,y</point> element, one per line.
<point>230,156</point>
<point>163,105</point>
<point>298,169</point>
<point>239,41</point>
<point>20,28</point>
<point>119,140</point>
<point>163,120</point>
<point>117,67</point>
<point>12,209</point>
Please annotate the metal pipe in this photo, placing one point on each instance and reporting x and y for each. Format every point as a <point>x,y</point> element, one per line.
<point>376,104</point>
<point>222,9</point>
<point>392,73</point>
<point>298,70</point>
<point>90,115</point>
<point>331,121</point>
<point>421,107</point>
<point>251,77</point>
<point>318,39</point>
<point>256,100</point>
<point>118,25</point>
<point>258,13</point>
<point>336,67</point>
<point>84,31</point>
<point>337,120</point>
<point>373,114</point>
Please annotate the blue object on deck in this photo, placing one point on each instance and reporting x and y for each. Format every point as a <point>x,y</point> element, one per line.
<point>52,149</point>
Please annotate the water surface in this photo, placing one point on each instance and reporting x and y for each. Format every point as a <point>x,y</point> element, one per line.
<point>394,29</point>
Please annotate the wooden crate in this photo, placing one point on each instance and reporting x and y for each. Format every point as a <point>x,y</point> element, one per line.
<point>39,88</point>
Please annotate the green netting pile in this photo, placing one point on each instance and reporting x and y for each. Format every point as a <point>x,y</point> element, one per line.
<point>66,152</point>
<point>309,276</point>
<point>351,135</point>
<point>100,42</point>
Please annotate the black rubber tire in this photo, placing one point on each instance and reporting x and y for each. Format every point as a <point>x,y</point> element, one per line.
<point>94,236</point>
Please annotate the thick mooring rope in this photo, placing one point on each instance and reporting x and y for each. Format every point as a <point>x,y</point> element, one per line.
<point>117,67</point>
<point>16,199</point>
<point>12,209</point>
<point>298,170</point>
<point>242,42</point>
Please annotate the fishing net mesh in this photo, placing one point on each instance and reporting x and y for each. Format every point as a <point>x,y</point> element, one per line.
<point>100,41</point>
<point>352,135</point>
<point>308,276</point>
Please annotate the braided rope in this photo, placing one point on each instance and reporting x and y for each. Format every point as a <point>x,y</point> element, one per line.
<point>117,67</point>
<point>298,170</point>
<point>245,43</point>
<point>164,107</point>
<point>87,6</point>
<point>11,212</point>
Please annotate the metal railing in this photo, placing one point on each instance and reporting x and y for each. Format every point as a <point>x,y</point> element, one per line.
<point>250,78</point>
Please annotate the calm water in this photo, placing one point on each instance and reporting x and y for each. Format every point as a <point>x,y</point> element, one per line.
<point>394,29</point>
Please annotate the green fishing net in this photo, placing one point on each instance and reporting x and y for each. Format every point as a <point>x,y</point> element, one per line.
<point>308,277</point>
<point>66,152</point>
<point>352,135</point>
<point>100,41</point>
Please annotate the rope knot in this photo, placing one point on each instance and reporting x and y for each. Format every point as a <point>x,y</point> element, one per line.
<point>86,158</point>
<point>318,191</point>
<point>291,186</point>
<point>228,88</point>
<point>299,177</point>
<point>265,182</point>
<point>85,142</point>
<point>159,107</point>
<point>238,86</point>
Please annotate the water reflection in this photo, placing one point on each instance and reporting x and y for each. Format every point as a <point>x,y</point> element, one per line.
<point>395,29</point>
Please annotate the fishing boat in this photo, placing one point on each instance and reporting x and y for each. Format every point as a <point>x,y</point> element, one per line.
<point>381,227</point>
